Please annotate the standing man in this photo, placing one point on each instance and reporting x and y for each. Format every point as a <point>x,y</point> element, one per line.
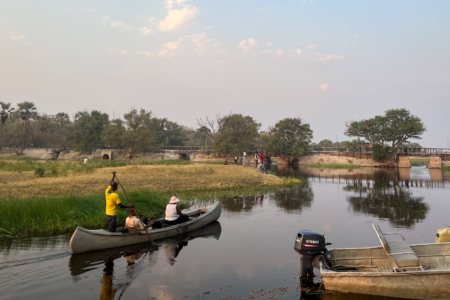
<point>244,157</point>
<point>256,159</point>
<point>261,158</point>
<point>112,201</point>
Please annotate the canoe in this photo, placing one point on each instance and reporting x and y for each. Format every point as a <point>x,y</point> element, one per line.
<point>395,269</point>
<point>84,240</point>
<point>87,261</point>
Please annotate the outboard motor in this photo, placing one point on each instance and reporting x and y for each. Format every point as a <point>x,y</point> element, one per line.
<point>310,246</point>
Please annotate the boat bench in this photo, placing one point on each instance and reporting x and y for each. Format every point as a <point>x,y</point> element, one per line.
<point>399,252</point>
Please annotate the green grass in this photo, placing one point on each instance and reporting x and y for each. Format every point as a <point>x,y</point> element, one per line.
<point>419,160</point>
<point>50,215</point>
<point>63,168</point>
<point>333,166</point>
<point>37,216</point>
<point>447,168</point>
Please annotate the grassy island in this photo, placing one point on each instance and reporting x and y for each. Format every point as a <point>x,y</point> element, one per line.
<point>35,205</point>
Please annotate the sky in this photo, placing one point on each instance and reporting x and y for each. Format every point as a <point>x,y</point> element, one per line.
<point>326,62</point>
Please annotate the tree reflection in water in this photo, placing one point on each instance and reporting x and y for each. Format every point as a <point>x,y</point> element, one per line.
<point>386,199</point>
<point>294,200</point>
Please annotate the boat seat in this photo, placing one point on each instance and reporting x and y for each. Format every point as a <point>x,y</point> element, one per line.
<point>399,252</point>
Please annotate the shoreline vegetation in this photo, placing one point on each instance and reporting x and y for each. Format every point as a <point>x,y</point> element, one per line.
<point>46,205</point>
<point>332,166</point>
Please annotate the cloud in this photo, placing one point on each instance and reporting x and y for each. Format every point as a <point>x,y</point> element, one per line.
<point>92,10</point>
<point>148,54</point>
<point>324,86</point>
<point>247,45</point>
<point>168,49</point>
<point>172,3</point>
<point>176,18</point>
<point>279,52</point>
<point>114,50</point>
<point>116,24</point>
<point>311,46</point>
<point>19,37</point>
<point>267,51</point>
<point>298,51</point>
<point>205,45</point>
<point>145,30</point>
<point>323,57</point>
<point>269,44</point>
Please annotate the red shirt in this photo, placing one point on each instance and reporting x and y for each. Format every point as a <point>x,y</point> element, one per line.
<point>261,157</point>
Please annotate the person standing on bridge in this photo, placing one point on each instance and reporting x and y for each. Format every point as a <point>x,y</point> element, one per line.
<point>244,157</point>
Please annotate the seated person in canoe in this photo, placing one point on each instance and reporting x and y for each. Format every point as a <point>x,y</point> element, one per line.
<point>133,224</point>
<point>112,201</point>
<point>173,213</point>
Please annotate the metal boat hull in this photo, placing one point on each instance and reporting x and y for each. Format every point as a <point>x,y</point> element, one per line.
<point>383,281</point>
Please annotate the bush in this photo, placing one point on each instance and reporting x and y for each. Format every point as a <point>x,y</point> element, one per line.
<point>381,154</point>
<point>54,170</point>
<point>39,171</point>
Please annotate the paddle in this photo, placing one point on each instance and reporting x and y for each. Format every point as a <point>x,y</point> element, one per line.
<point>145,229</point>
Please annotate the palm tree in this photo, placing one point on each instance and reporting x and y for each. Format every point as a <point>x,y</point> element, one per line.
<point>6,112</point>
<point>27,111</point>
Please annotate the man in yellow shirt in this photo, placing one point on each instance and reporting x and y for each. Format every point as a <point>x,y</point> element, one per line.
<point>112,201</point>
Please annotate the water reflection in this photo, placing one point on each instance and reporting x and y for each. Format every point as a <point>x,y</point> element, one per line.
<point>296,199</point>
<point>136,257</point>
<point>387,199</point>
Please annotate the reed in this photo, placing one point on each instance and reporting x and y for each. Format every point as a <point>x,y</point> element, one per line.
<point>51,215</point>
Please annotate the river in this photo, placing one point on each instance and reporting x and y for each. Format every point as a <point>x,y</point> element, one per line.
<point>249,252</point>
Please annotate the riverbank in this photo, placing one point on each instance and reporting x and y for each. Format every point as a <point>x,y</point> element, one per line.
<point>32,205</point>
<point>333,166</point>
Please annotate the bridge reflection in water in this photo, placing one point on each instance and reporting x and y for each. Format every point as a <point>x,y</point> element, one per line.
<point>405,177</point>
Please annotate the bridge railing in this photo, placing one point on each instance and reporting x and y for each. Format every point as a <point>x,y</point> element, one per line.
<point>424,151</point>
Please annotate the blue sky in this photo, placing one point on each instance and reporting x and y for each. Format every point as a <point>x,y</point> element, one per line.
<point>323,61</point>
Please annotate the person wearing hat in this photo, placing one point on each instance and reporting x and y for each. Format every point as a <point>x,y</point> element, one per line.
<point>173,213</point>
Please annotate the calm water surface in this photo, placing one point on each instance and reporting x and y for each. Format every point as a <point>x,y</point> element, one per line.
<point>249,249</point>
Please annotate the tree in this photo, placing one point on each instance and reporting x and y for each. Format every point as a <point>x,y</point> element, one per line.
<point>230,134</point>
<point>115,134</point>
<point>24,116</point>
<point>170,133</point>
<point>54,131</point>
<point>88,129</point>
<point>6,112</point>
<point>140,134</point>
<point>289,137</point>
<point>237,133</point>
<point>211,127</point>
<point>137,132</point>
<point>414,145</point>
<point>395,128</point>
<point>325,143</point>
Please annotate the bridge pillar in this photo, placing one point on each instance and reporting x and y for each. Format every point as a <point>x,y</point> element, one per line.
<point>403,162</point>
<point>434,163</point>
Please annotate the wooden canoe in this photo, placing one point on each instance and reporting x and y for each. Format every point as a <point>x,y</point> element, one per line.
<point>84,240</point>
